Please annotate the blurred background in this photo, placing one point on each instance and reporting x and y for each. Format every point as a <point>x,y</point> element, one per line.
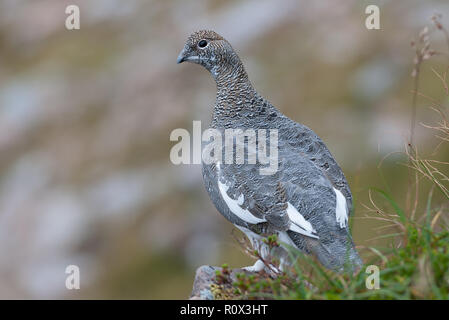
<point>86,115</point>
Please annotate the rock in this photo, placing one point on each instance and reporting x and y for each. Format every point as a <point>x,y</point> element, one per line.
<point>204,277</point>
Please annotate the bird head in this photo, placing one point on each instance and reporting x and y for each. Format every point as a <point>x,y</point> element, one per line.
<point>209,49</point>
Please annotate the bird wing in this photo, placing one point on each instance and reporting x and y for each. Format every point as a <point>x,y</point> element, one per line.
<point>309,145</point>
<point>255,199</point>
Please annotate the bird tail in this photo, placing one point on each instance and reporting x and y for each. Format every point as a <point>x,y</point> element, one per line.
<point>340,256</point>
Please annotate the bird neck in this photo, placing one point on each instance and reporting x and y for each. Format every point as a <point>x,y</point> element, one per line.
<point>234,90</point>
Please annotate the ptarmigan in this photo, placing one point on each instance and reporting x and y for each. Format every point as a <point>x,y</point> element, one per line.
<point>306,202</point>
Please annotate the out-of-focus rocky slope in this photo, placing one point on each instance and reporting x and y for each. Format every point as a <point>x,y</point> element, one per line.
<point>85,118</point>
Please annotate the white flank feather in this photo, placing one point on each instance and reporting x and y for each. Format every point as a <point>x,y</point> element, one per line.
<point>341,210</point>
<point>285,239</point>
<point>234,206</point>
<point>241,199</point>
<point>299,224</point>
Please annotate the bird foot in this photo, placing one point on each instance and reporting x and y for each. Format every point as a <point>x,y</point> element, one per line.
<point>257,267</point>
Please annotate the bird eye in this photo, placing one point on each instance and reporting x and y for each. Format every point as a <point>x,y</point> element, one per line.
<point>202,44</point>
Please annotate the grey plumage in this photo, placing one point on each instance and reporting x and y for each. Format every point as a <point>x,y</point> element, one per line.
<point>307,173</point>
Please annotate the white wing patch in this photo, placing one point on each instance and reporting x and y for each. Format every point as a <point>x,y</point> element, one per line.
<point>284,238</point>
<point>299,224</point>
<point>341,210</point>
<point>240,199</point>
<point>235,207</point>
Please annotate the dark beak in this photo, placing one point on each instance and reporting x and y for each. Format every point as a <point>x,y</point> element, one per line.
<point>182,56</point>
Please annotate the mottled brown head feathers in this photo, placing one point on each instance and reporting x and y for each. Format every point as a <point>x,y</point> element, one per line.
<point>210,50</point>
<point>213,52</point>
<point>197,36</point>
